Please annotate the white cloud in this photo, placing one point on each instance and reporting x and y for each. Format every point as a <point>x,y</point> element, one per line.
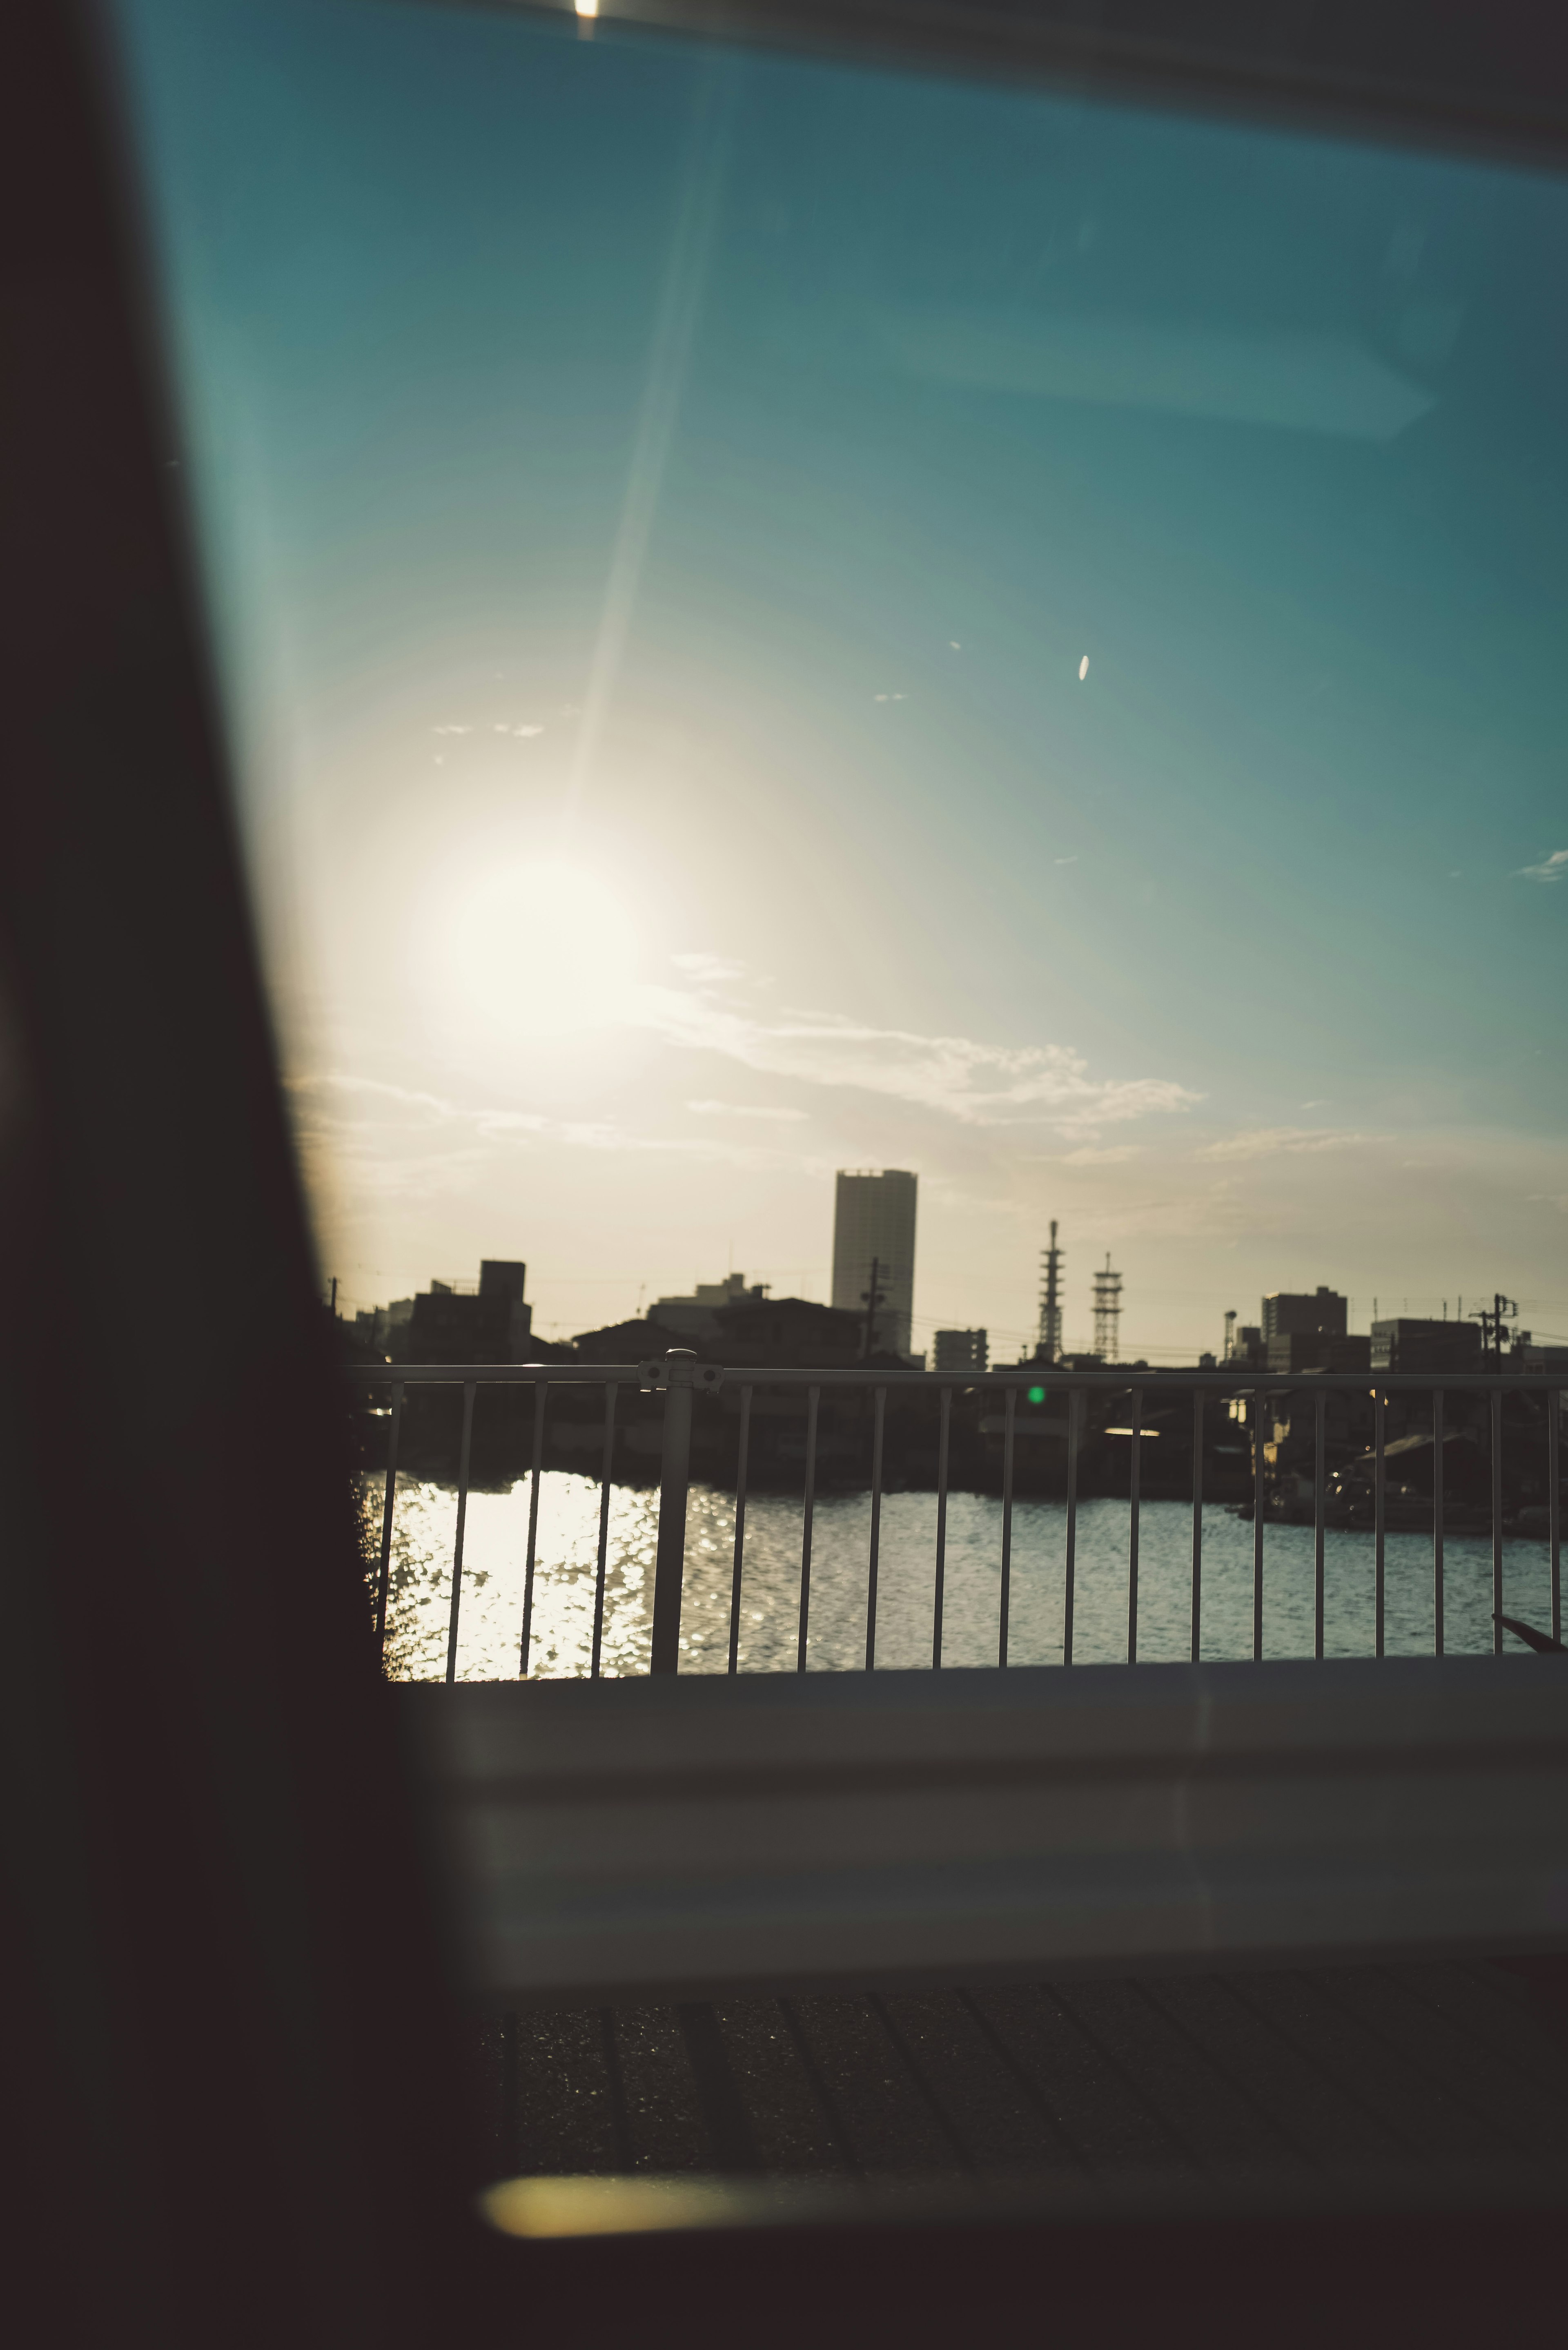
<point>743,1110</point>
<point>1265,1142</point>
<point>1116,1155</point>
<point>1553,869</point>
<point>977,1083</point>
<point>327,1118</point>
<point>451,730</point>
<point>709,968</point>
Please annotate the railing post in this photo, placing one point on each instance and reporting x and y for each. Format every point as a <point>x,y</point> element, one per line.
<point>674,1477</point>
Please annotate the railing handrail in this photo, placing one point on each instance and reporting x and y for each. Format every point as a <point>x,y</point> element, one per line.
<point>679,1374</point>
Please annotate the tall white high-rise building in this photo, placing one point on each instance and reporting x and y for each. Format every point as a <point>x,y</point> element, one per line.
<point>874,1223</point>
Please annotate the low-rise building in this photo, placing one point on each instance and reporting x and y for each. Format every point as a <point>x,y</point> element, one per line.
<point>488,1321</point>
<point>793,1333</point>
<point>697,1315</point>
<point>1320,1313</point>
<point>1317,1350</point>
<point>1403,1344</point>
<point>961,1351</point>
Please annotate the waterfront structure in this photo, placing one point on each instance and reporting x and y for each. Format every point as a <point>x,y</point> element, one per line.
<point>962,1350</point>
<point>874,1225</point>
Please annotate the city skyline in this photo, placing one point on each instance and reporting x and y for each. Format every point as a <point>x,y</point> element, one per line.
<point>932,627</point>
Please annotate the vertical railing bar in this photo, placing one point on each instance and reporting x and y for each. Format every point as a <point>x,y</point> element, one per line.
<point>813,1397</point>
<point>1197,1525</point>
<point>1496,1521</point>
<point>462,1517</point>
<point>611,1390</point>
<point>1069,1591</point>
<point>536,1473</point>
<point>384,1580</point>
<point>1009,1420</point>
<point>1320,1443</point>
<point>1380,1497</point>
<point>1437,1479</point>
<point>874,1562</point>
<point>1259,1408</point>
<point>1134,1481</point>
<point>744,1451</point>
<point>942,1438</point>
<point>1554,1502</point>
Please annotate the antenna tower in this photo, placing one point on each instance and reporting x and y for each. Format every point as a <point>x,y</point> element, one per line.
<point>1050,1348</point>
<point>1107,1313</point>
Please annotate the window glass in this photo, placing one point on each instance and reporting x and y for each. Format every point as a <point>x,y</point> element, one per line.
<point>779,615</point>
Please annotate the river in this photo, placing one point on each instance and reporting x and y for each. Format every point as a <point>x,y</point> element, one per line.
<point>495,1543</point>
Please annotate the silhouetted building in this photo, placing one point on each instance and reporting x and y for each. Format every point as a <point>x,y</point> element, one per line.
<point>629,1342</point>
<point>454,1322</point>
<point>1246,1346</point>
<point>790,1333</point>
<point>1315,1350</point>
<point>1404,1345</point>
<point>874,1223</point>
<point>962,1350</point>
<point>697,1315</point>
<point>1294,1314</point>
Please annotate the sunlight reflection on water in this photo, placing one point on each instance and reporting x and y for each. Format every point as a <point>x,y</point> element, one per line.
<point>495,1543</point>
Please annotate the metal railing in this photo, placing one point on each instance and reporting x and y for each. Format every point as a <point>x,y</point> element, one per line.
<point>682,1376</point>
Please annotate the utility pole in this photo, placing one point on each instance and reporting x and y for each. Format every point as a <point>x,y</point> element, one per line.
<point>871,1298</point>
<point>1050,1348</point>
<point>1494,1320</point>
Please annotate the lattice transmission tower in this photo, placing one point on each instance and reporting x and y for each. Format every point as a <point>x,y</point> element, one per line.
<point>1050,1346</point>
<point>1107,1313</point>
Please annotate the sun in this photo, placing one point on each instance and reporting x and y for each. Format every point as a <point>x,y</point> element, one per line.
<point>531,947</point>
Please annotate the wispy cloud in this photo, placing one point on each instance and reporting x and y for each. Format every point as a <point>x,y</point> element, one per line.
<point>1267,1141</point>
<point>712,968</point>
<point>977,1083</point>
<point>1116,1154</point>
<point>746,1110</point>
<point>383,1128</point>
<point>1553,868</point>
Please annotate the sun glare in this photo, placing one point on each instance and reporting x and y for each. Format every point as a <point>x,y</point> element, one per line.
<point>535,949</point>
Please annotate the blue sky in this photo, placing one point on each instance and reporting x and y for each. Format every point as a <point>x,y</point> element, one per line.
<point>657,506</point>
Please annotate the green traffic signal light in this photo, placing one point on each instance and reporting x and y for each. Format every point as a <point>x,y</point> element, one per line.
<point>1036,1394</point>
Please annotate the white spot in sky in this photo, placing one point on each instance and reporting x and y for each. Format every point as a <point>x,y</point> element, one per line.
<point>1067,860</point>
<point>1083,668</point>
<point>955,644</point>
